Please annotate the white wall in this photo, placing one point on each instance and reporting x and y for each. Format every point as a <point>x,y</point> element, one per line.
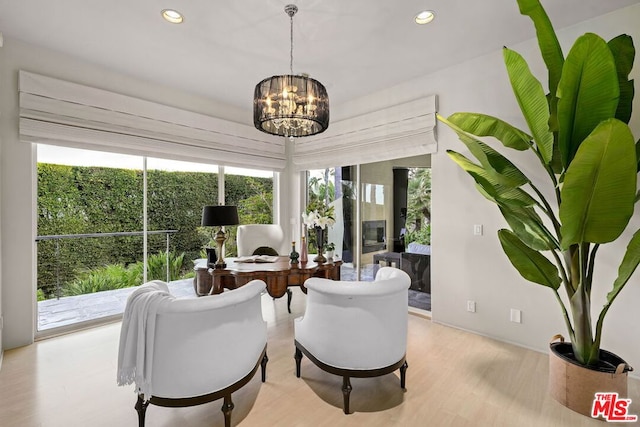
<point>17,176</point>
<point>467,267</point>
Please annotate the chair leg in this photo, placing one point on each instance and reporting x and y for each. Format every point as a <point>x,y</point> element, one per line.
<point>263,366</point>
<point>298,357</point>
<point>346,391</point>
<point>227,407</point>
<point>289,296</point>
<point>403,374</point>
<point>141,408</point>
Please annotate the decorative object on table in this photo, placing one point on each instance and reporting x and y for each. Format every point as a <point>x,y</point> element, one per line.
<point>304,252</point>
<point>329,250</point>
<point>220,216</point>
<point>291,105</point>
<point>591,159</point>
<point>294,255</point>
<point>211,256</point>
<point>319,216</point>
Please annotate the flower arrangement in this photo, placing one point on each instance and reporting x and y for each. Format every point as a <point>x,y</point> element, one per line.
<point>319,215</point>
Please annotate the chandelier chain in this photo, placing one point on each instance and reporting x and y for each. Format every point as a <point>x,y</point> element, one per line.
<point>291,37</point>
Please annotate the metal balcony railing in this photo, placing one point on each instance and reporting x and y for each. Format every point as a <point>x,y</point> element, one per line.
<point>59,237</point>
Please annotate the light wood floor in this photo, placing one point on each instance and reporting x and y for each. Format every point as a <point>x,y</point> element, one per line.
<point>454,379</point>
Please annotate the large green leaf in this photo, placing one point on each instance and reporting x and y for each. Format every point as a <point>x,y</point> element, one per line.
<point>514,197</point>
<point>599,186</point>
<point>528,226</point>
<point>502,171</point>
<point>531,264</point>
<point>477,172</point>
<point>489,186</point>
<point>484,125</point>
<point>550,50</point>
<point>588,92</point>
<point>624,53</point>
<point>629,264</point>
<point>532,101</point>
<point>627,267</point>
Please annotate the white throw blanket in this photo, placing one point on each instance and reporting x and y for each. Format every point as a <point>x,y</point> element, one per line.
<point>135,354</point>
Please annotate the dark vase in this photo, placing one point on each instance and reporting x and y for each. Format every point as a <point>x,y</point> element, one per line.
<point>294,255</point>
<point>320,243</point>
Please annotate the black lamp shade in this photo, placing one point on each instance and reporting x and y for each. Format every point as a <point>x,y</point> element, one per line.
<point>291,106</point>
<point>219,215</point>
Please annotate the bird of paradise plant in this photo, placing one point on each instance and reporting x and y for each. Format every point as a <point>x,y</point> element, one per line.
<point>579,133</point>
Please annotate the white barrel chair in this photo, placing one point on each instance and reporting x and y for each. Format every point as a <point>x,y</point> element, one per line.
<point>355,329</point>
<point>204,349</point>
<point>250,237</point>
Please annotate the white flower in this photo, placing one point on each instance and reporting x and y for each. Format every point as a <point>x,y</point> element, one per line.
<point>315,219</point>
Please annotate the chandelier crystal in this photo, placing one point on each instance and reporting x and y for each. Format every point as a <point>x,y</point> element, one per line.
<point>291,105</point>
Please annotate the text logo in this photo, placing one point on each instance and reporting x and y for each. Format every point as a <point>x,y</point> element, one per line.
<point>612,408</point>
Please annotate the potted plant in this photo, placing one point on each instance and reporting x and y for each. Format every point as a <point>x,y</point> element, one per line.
<point>329,250</point>
<point>580,135</point>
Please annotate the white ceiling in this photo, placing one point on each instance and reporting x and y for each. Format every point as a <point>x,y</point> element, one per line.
<point>223,48</point>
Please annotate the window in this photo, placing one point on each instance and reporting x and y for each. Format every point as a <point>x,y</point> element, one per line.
<point>108,222</point>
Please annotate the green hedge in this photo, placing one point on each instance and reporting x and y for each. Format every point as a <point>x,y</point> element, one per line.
<point>84,200</point>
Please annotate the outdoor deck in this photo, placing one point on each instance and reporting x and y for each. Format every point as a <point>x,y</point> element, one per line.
<point>55,313</point>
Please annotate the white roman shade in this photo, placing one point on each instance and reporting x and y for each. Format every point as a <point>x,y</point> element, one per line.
<point>59,112</point>
<point>402,130</point>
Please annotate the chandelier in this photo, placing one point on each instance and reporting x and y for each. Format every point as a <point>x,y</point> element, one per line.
<point>291,105</point>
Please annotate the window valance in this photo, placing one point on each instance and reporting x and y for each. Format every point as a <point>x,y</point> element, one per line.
<point>59,112</point>
<point>402,130</point>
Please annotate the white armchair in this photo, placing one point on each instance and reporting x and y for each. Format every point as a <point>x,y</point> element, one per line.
<point>186,352</point>
<point>250,237</point>
<point>355,329</point>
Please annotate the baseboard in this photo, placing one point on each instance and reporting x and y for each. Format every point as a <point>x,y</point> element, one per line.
<point>420,312</point>
<point>537,350</point>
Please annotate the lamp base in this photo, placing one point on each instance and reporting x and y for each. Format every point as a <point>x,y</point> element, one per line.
<point>221,237</point>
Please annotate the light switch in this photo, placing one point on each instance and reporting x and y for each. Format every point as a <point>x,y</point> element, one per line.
<point>477,229</point>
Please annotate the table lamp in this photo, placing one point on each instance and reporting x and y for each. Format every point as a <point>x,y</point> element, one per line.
<point>220,216</point>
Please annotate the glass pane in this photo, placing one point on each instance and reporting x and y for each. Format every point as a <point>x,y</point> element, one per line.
<point>89,233</point>
<point>176,193</point>
<point>376,207</point>
<point>418,217</point>
<point>332,187</point>
<point>252,191</point>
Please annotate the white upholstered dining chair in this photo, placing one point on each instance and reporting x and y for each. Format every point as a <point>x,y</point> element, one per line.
<point>190,351</point>
<point>355,329</point>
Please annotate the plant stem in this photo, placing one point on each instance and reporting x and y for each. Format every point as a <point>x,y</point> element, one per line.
<point>548,211</point>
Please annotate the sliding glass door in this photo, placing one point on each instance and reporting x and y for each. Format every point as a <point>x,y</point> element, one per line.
<point>380,209</point>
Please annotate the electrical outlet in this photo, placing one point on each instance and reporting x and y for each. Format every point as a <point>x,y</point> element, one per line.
<point>471,306</point>
<point>477,229</point>
<point>516,315</point>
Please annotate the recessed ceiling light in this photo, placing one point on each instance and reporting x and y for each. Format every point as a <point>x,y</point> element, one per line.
<point>425,17</point>
<point>172,16</point>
